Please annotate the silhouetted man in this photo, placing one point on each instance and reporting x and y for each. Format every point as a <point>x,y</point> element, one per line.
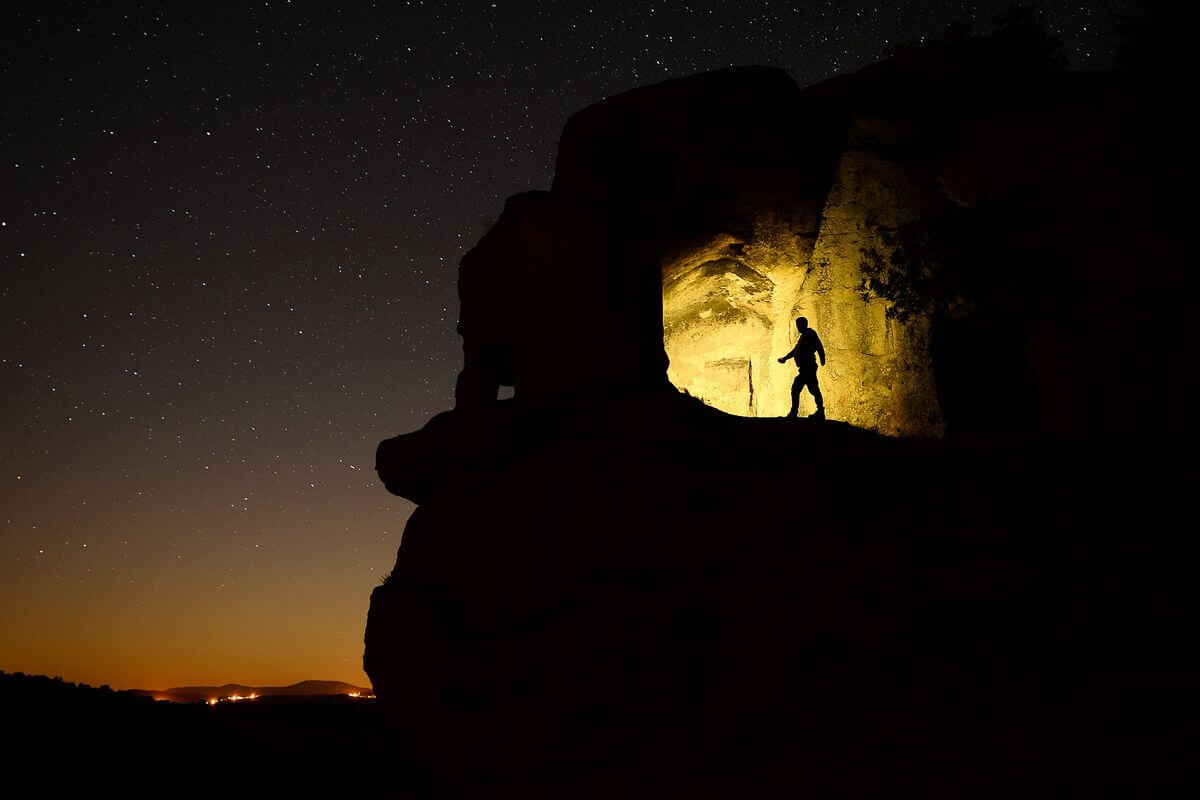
<point>805,355</point>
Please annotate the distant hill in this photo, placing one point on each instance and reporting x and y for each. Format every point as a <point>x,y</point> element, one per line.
<point>75,739</point>
<point>192,694</point>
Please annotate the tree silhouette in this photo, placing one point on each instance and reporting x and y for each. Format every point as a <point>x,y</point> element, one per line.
<point>968,262</point>
<point>964,262</point>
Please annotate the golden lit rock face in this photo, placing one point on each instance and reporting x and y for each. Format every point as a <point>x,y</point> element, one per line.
<point>727,308</point>
<point>730,304</point>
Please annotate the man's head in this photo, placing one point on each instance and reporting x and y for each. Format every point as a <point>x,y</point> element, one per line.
<point>801,323</point>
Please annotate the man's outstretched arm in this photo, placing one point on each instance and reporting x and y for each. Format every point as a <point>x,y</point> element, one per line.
<point>790,354</point>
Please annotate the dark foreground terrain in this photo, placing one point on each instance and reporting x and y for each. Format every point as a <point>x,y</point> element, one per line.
<point>63,738</point>
<point>645,593</point>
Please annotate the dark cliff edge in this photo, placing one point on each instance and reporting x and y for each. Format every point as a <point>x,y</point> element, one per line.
<point>610,587</point>
<point>642,589</point>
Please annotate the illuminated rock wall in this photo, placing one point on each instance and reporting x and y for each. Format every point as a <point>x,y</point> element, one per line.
<point>729,304</point>
<point>879,373</point>
<point>727,308</point>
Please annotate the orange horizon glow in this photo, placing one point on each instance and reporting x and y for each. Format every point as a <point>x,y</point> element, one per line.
<point>159,607</point>
<point>210,647</point>
<point>156,657</point>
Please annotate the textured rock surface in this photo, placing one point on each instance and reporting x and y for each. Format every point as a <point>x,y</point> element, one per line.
<point>879,372</point>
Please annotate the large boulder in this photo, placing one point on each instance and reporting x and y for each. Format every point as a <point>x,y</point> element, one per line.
<point>611,584</point>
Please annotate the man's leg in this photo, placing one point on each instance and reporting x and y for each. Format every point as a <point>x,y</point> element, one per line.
<point>815,388</point>
<point>797,385</point>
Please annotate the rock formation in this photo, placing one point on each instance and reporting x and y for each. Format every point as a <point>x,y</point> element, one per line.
<point>704,215</point>
<point>608,583</point>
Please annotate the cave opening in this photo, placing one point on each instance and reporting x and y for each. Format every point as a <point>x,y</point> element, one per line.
<point>729,307</point>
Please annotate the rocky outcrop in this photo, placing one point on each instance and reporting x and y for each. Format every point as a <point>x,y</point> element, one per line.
<point>610,584</point>
<point>690,222</point>
<point>637,590</point>
<point>681,228</point>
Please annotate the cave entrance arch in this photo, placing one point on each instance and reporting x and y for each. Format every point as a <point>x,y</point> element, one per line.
<point>729,307</point>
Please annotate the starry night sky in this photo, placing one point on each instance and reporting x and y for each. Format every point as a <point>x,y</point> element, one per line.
<point>229,243</point>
